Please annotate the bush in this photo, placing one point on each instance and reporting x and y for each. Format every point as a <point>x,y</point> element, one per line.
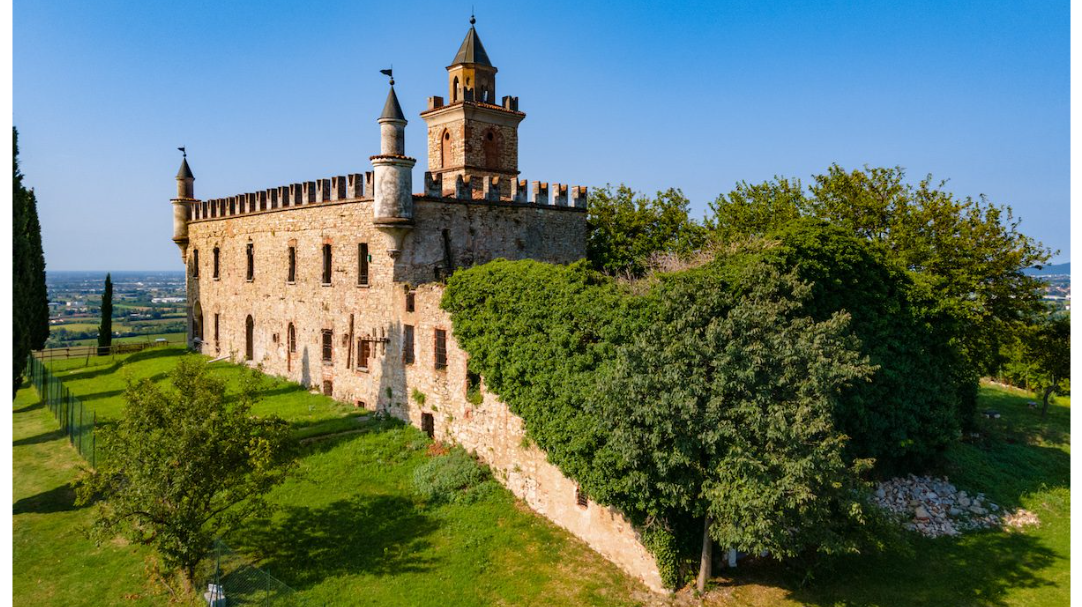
<point>449,478</point>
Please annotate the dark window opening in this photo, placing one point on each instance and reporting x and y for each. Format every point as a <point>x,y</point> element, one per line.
<point>362,263</point>
<point>217,254</point>
<point>428,425</point>
<point>292,275</point>
<point>441,349</point>
<point>217,345</point>
<point>326,264</point>
<point>291,338</point>
<point>251,261</point>
<point>197,329</point>
<point>407,344</point>
<point>364,352</point>
<point>195,263</point>
<point>473,388</point>
<point>580,498</point>
<point>328,388</point>
<point>249,338</point>
<point>411,301</point>
<point>328,345</point>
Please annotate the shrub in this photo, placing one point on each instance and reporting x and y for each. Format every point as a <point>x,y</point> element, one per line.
<point>448,478</point>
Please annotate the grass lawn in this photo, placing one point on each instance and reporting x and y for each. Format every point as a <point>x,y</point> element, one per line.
<point>350,530</point>
<point>93,341</point>
<point>1019,460</point>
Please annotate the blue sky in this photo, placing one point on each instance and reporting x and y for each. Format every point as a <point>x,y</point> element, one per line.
<point>694,95</point>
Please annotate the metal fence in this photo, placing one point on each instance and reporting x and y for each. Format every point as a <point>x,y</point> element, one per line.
<point>88,351</point>
<point>75,419</point>
<point>233,580</point>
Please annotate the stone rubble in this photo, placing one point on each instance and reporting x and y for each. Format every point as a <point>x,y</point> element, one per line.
<point>934,507</point>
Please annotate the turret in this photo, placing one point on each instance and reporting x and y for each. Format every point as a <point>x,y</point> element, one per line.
<point>392,205</point>
<point>182,204</point>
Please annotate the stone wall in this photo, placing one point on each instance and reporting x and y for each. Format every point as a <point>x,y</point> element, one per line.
<point>446,235</point>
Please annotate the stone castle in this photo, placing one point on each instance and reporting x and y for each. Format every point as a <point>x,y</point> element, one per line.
<point>336,283</point>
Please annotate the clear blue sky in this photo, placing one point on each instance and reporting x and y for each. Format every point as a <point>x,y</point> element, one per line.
<point>695,96</point>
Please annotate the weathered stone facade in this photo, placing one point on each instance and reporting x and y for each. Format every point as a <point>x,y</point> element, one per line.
<point>336,284</point>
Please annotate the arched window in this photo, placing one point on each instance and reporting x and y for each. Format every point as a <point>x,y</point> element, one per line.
<point>249,335</point>
<point>445,149</point>
<point>291,339</point>
<point>490,145</point>
<point>456,91</point>
<point>197,322</point>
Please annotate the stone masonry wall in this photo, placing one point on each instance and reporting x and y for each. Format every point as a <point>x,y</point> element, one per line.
<point>472,233</point>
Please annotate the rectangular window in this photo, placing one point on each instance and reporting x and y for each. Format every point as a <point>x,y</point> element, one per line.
<point>580,498</point>
<point>441,349</point>
<point>411,301</point>
<point>364,352</point>
<point>328,346</point>
<point>217,346</point>
<point>362,263</point>
<point>428,425</point>
<point>195,263</point>
<point>326,264</point>
<point>407,344</point>
<point>292,275</point>
<point>328,388</point>
<point>217,254</point>
<point>251,261</point>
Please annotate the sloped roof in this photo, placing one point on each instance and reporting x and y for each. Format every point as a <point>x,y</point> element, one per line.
<point>392,109</point>
<point>185,171</point>
<point>472,51</point>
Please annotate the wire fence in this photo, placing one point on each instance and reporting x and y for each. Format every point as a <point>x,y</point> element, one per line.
<point>233,580</point>
<point>88,351</point>
<point>76,421</point>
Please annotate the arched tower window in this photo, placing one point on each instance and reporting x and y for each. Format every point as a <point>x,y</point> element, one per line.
<point>197,322</point>
<point>490,145</point>
<point>445,149</point>
<point>457,91</point>
<point>249,338</point>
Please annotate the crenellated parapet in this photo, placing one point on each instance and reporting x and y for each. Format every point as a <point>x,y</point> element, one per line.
<point>334,189</point>
<point>489,188</point>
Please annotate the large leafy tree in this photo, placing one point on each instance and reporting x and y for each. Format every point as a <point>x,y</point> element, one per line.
<point>185,464</point>
<point>722,409</point>
<point>627,228</point>
<point>969,252</point>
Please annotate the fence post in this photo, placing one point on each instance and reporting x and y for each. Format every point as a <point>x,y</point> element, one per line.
<point>81,429</point>
<point>94,442</point>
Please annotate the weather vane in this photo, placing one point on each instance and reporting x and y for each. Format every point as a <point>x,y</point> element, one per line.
<point>389,73</point>
<point>183,151</point>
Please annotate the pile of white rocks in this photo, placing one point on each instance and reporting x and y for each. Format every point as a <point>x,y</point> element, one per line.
<point>933,507</point>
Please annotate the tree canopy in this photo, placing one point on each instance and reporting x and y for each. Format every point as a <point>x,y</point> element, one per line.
<point>105,329</point>
<point>185,464</point>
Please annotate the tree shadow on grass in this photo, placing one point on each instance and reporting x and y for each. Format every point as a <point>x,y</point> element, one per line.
<point>978,569</point>
<point>60,499</point>
<point>375,535</point>
<point>39,403</point>
<point>44,437</point>
<point>75,374</point>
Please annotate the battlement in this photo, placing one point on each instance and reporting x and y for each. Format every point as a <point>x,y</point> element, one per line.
<point>335,189</point>
<point>491,188</point>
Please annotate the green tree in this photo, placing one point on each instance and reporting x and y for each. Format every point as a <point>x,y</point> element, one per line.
<point>186,464</point>
<point>105,329</point>
<point>30,300</point>
<point>969,252</point>
<point>1045,353</point>
<point>722,410</point>
<point>625,229</point>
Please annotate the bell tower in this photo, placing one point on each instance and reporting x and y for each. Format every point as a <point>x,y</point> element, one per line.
<point>473,135</point>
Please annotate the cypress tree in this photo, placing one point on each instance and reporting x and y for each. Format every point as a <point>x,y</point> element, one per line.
<point>38,296</point>
<point>105,331</point>
<point>20,278</point>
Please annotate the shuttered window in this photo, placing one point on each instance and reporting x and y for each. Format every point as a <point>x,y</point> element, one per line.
<point>441,349</point>
<point>407,344</point>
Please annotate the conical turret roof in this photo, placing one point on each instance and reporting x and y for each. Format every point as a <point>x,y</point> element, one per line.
<point>392,109</point>
<point>472,51</point>
<point>185,171</point>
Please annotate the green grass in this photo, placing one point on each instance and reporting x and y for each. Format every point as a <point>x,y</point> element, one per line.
<point>93,341</point>
<point>55,564</point>
<point>1018,460</point>
<point>351,531</point>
